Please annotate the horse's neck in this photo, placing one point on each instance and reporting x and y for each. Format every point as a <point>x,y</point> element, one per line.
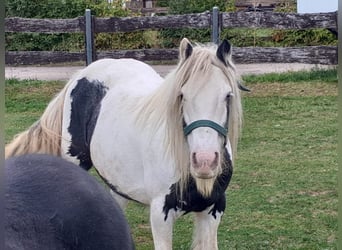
<point>152,106</point>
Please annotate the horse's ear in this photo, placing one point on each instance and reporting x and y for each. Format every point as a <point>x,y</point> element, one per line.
<point>185,49</point>
<point>224,51</point>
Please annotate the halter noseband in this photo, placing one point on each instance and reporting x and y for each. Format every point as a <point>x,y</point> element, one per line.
<point>205,123</point>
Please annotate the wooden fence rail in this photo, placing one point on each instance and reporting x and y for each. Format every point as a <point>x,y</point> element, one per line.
<point>313,55</point>
<point>34,25</point>
<point>279,20</point>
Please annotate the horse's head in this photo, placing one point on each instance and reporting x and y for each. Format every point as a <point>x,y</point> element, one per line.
<point>210,109</point>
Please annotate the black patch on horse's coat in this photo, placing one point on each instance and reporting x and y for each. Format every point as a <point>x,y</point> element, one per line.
<point>52,204</point>
<point>193,201</point>
<point>85,108</point>
<point>223,50</point>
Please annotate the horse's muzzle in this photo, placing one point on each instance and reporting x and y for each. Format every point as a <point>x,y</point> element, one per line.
<point>205,164</point>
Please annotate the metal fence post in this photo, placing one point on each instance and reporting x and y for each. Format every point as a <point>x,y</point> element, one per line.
<point>89,37</point>
<point>215,26</point>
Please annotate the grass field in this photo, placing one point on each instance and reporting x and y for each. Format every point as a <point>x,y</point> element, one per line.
<point>283,194</point>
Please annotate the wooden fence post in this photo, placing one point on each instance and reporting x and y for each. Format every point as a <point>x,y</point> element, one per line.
<point>215,26</point>
<point>89,41</point>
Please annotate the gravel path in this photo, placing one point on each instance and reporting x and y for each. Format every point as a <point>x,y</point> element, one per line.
<point>65,72</point>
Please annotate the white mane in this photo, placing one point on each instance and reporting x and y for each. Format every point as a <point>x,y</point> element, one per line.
<point>163,108</point>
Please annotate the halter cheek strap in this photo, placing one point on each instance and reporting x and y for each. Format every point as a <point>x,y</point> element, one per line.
<point>205,123</point>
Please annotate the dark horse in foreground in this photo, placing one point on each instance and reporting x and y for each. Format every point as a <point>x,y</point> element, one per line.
<point>52,204</point>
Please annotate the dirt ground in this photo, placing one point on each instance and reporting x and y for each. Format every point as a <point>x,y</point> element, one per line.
<point>293,89</point>
<point>63,73</point>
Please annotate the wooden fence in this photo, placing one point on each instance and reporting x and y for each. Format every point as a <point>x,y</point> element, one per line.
<point>310,54</point>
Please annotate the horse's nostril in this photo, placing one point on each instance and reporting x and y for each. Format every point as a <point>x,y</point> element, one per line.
<point>216,159</point>
<point>194,160</point>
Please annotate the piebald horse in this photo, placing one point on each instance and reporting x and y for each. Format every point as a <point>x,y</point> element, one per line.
<point>167,143</point>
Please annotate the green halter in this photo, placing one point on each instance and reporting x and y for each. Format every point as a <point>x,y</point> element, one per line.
<point>205,123</point>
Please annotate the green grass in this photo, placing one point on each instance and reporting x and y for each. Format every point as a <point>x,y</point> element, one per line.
<point>316,75</point>
<point>283,194</point>
<point>25,101</point>
<point>286,174</point>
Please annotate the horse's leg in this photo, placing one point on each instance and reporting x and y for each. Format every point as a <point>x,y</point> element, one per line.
<point>206,225</point>
<point>161,224</point>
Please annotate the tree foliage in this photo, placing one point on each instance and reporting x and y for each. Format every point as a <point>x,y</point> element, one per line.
<point>63,8</point>
<point>46,8</point>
